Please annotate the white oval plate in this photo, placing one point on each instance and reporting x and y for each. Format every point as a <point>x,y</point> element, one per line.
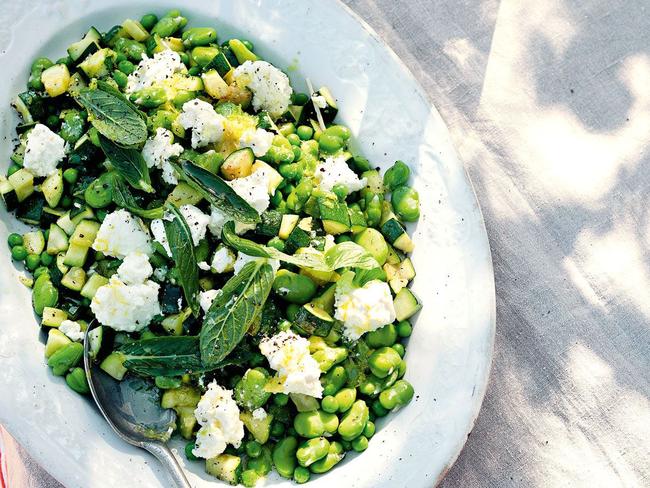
<point>449,354</point>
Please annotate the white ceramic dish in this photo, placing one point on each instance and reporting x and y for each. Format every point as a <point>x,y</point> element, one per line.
<point>449,354</point>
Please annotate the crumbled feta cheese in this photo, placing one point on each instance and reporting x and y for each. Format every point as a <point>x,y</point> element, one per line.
<point>157,152</point>
<point>334,170</point>
<point>319,101</point>
<point>72,330</point>
<point>128,308</point>
<point>364,309</point>
<point>44,151</point>
<point>217,220</point>
<point>159,235</point>
<point>121,234</point>
<point>151,71</point>
<point>206,298</point>
<point>218,415</point>
<point>203,265</point>
<point>298,372</point>
<point>270,86</point>
<point>206,124</point>
<point>223,260</point>
<point>243,259</point>
<point>259,414</point>
<point>253,188</point>
<point>259,140</point>
<point>135,269</point>
<point>196,220</point>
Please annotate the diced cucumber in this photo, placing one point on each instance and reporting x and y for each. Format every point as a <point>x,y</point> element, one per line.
<point>184,194</point>
<point>399,274</point>
<point>173,324</point>
<point>297,113</point>
<point>84,233</point>
<point>395,233</point>
<point>95,341</point>
<point>95,65</point>
<point>357,220</point>
<point>220,64</point>
<point>52,317</point>
<point>57,240</point>
<point>86,46</point>
<point>76,255</point>
<point>334,215</point>
<point>186,421</point>
<point>76,84</point>
<point>22,181</point>
<point>74,279</point>
<point>56,80</point>
<point>313,320</point>
<point>406,304</point>
<point>92,284</point>
<point>214,84</point>
<point>113,365</point>
<point>52,188</point>
<point>259,428</point>
<point>297,239</point>
<point>63,269</point>
<point>238,164</point>
<point>70,224</point>
<point>135,30</point>
<point>373,242</point>
<point>289,221</point>
<point>225,467</point>
<point>270,223</point>
<point>55,341</point>
<point>8,194</point>
<point>34,242</point>
<point>375,182</point>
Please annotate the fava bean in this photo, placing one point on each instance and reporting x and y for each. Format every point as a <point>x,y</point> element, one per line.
<point>202,55</point>
<point>287,128</point>
<point>130,48</point>
<point>338,131</point>
<point>312,450</point>
<point>44,293</point>
<point>199,36</point>
<point>150,97</point>
<point>334,455</point>
<point>249,478</point>
<point>170,23</point>
<point>262,464</point>
<point>398,395</point>
<point>65,358</point>
<point>76,379</point>
<point>126,67</point>
<point>315,423</point>
<point>384,361</point>
<point>397,175</point>
<point>99,193</point>
<point>369,429</point>
<point>329,404</point>
<point>354,421</point>
<point>378,409</point>
<point>326,356</point>
<point>386,336</point>
<point>406,203</point>
<point>284,456</point>
<point>249,391</point>
<point>334,380</point>
<point>360,444</point>
<point>148,21</point>
<point>345,398</point>
<point>330,143</point>
<point>120,78</point>
<point>399,348</point>
<point>293,287</point>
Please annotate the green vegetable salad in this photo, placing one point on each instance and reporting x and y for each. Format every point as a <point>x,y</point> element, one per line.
<point>217,235</point>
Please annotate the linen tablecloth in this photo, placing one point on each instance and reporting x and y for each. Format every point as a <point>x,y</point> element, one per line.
<point>548,104</point>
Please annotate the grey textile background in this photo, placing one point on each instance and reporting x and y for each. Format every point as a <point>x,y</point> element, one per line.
<point>548,104</point>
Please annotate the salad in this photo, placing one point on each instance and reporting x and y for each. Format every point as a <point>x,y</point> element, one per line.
<point>219,237</point>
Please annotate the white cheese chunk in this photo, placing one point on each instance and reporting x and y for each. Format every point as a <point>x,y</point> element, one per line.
<point>270,86</point>
<point>333,171</point>
<point>44,151</point>
<point>121,234</point>
<point>206,124</point>
<point>158,151</point>
<point>135,269</point>
<point>151,71</point>
<point>259,140</point>
<point>72,329</point>
<point>364,309</point>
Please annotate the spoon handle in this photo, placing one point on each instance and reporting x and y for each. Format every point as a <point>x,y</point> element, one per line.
<point>167,458</point>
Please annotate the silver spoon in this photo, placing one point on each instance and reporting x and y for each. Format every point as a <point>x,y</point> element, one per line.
<point>132,409</point>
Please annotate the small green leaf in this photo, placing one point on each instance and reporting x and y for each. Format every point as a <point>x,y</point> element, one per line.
<point>123,198</point>
<point>129,163</point>
<point>182,248</point>
<point>245,246</point>
<point>163,356</point>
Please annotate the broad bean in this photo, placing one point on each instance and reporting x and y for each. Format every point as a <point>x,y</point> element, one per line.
<point>150,97</point>
<point>334,380</point>
<point>386,336</point>
<point>334,455</point>
<point>293,287</point>
<point>384,361</point>
<point>396,175</point>
<point>312,450</point>
<point>44,293</point>
<point>284,456</point>
<point>397,395</point>
<point>199,36</point>
<point>65,358</point>
<point>170,23</point>
<point>315,423</point>
<point>249,390</point>
<point>354,421</point>
<point>76,379</point>
<point>406,203</point>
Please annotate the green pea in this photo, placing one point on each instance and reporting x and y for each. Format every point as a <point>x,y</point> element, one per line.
<point>329,143</point>
<point>369,429</point>
<point>383,361</point>
<point>182,97</point>
<point>199,36</point>
<point>397,175</point>
<point>399,348</point>
<point>52,121</point>
<point>65,358</point>
<point>189,447</point>
<point>287,128</point>
<point>71,175</point>
<point>299,98</point>
<point>168,25</point>
<point>119,57</point>
<point>304,132</point>
<point>248,44</point>
<point>99,193</point>
<point>360,164</point>
<point>281,399</point>
<point>354,421</point>
<point>32,261</point>
<point>120,78</point>
<point>404,328</point>
<point>329,404</point>
<point>38,66</point>
<point>334,380</point>
<point>277,429</point>
<point>294,287</point>
<point>202,55</point>
<point>294,140</point>
<point>386,336</point>
<point>276,243</point>
<point>397,395</point>
<point>253,449</point>
<point>15,240</point>
<point>150,97</point>
<point>76,379</point>
<point>301,475</point>
<point>284,456</point>
<point>341,191</point>
<point>290,171</point>
<point>249,391</point>
<point>360,444</point>
<point>315,423</point>
<point>262,464</point>
<point>334,456</point>
<point>46,259</point>
<point>249,478</point>
<point>312,450</point>
<point>73,125</point>
<point>126,67</point>
<point>148,21</point>
<point>406,203</point>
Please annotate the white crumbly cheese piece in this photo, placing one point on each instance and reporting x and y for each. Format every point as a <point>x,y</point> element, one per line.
<point>206,298</point>
<point>122,234</point>
<point>297,372</point>
<point>124,307</point>
<point>72,330</point>
<point>270,86</point>
<point>319,101</point>
<point>196,220</point>
<point>333,171</point>
<point>203,265</point>
<point>217,220</point>
<point>223,260</point>
<point>253,188</point>
<point>135,269</point>
<point>243,259</point>
<point>259,140</point>
<point>44,151</point>
<point>157,152</point>
<point>206,124</point>
<point>259,414</point>
<point>151,71</point>
<point>158,230</point>
<point>218,415</point>
<point>364,309</point>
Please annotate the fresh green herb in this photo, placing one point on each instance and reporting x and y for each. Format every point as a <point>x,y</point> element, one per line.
<point>163,356</point>
<point>123,198</point>
<point>233,311</point>
<point>182,248</point>
<point>129,163</point>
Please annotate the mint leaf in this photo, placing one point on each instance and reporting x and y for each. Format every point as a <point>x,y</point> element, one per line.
<point>129,163</point>
<point>123,198</point>
<point>163,356</point>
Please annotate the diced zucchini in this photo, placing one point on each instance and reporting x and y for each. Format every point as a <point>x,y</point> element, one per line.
<point>70,224</point>
<point>334,215</point>
<point>259,428</point>
<point>313,320</point>
<point>55,341</point>
<point>57,240</point>
<point>184,194</point>
<point>357,220</point>
<point>270,223</point>
<point>92,285</point>
<point>306,224</point>
<point>34,242</point>
<point>220,64</point>
<point>183,396</point>
<point>274,177</point>
<point>22,181</point>
<point>214,84</point>
<point>56,80</point>
<point>406,304</point>
<point>373,242</point>
<point>297,239</point>
<point>396,235</point>
<point>166,43</point>
<point>186,421</point>
<point>329,112</point>
<point>52,317</point>
<point>375,182</point>
<point>289,221</point>
<point>113,365</point>
<point>8,194</point>
<point>393,256</point>
<point>52,188</point>
<point>74,279</point>
<point>186,82</point>
<point>400,274</point>
<point>242,53</point>
<point>76,84</point>
<point>173,324</point>
<point>76,255</point>
<point>225,467</point>
<point>86,46</point>
<point>95,340</point>
<point>297,114</point>
<point>31,210</point>
<point>63,269</point>
<point>22,110</point>
<point>135,30</point>
<point>84,233</point>
<point>95,65</point>
<point>238,164</point>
